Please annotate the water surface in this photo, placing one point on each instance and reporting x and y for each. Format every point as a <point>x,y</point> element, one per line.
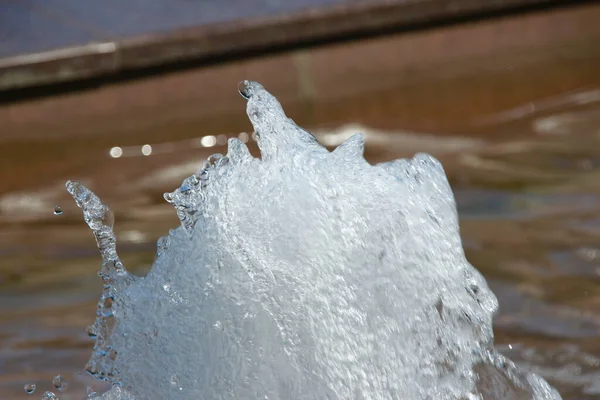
<point>515,123</point>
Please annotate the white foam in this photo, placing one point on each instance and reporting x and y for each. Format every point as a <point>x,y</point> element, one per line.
<point>306,274</point>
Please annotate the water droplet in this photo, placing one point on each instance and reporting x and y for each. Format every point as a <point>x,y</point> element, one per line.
<point>49,396</point>
<point>30,388</point>
<point>90,392</point>
<point>58,382</point>
<point>58,210</point>
<point>243,88</point>
<point>169,197</point>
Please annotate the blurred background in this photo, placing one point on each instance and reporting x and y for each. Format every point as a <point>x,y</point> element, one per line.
<point>131,97</point>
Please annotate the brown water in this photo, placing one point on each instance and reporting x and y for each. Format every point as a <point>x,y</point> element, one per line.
<point>511,107</point>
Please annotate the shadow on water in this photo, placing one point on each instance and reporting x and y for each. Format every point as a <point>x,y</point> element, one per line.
<point>511,107</point>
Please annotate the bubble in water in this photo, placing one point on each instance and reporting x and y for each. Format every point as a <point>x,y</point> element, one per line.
<point>58,210</point>
<point>58,382</point>
<point>49,396</point>
<point>30,388</point>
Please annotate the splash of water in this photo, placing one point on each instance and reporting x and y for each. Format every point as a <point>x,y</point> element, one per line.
<point>306,274</point>
<point>115,278</point>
